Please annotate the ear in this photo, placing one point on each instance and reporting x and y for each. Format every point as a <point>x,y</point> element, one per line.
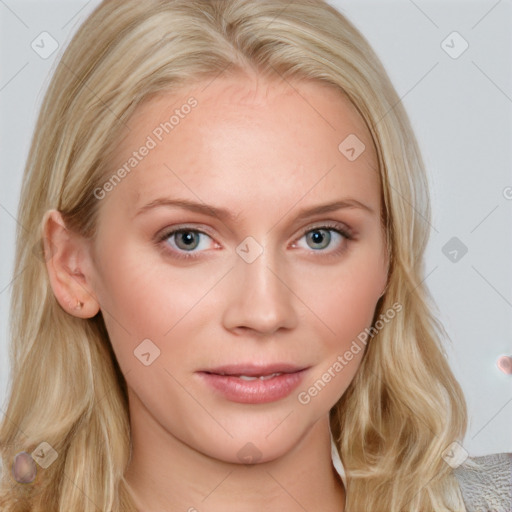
<point>68,264</point>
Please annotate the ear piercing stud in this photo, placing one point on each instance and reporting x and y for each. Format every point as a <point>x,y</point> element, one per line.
<point>79,305</point>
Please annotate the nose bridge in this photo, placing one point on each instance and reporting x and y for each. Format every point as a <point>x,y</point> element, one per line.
<point>259,299</point>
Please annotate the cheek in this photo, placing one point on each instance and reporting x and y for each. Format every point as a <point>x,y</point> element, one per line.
<point>143,300</point>
<point>346,306</point>
<point>129,298</point>
<point>344,297</point>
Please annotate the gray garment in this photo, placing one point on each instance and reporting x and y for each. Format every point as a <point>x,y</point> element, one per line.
<point>486,483</point>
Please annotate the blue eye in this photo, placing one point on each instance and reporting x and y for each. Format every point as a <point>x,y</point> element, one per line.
<point>321,237</point>
<point>187,239</point>
<point>184,241</point>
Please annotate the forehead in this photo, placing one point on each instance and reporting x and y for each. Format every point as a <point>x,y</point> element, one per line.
<point>246,136</point>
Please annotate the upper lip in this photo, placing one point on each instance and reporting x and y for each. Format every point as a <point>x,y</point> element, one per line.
<point>254,370</point>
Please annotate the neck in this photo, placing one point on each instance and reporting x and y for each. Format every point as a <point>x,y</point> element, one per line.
<point>166,474</point>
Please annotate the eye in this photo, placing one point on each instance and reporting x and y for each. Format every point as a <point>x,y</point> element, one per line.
<point>183,242</point>
<point>187,243</point>
<point>325,236</point>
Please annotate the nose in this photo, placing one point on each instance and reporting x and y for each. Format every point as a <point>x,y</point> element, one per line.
<point>260,298</point>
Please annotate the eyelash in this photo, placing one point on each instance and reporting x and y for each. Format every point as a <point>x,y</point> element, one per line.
<point>344,231</point>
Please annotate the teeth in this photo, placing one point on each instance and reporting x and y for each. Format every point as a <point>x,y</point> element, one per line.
<point>266,377</point>
<point>262,377</point>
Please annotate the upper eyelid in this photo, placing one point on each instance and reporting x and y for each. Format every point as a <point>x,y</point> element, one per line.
<point>332,225</point>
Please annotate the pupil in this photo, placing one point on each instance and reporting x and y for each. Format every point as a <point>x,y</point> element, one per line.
<point>188,238</point>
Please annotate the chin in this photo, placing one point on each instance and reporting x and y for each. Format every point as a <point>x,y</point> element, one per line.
<point>254,445</point>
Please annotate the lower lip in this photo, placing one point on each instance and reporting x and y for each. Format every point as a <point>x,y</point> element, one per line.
<point>254,391</point>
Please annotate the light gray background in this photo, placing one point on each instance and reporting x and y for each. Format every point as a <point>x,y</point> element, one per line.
<point>461,112</point>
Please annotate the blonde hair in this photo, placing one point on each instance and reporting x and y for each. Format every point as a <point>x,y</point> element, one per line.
<point>403,408</point>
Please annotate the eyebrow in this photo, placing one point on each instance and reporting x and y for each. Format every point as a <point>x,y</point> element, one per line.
<point>226,215</point>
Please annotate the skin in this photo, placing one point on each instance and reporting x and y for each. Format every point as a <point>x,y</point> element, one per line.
<point>265,150</point>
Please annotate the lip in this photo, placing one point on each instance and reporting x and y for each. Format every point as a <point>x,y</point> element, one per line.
<point>279,380</point>
<point>252,369</point>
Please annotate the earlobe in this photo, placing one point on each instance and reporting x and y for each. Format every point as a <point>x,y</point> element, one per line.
<point>67,264</point>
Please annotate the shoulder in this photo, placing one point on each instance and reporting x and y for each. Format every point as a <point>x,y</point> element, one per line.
<point>486,482</point>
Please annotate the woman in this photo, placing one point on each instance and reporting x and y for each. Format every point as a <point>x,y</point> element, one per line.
<point>228,311</point>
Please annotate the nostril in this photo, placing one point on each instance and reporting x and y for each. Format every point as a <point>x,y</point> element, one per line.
<point>504,363</point>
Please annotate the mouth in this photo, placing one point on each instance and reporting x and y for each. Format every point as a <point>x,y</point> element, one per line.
<point>254,377</point>
<point>251,372</point>
<point>253,384</point>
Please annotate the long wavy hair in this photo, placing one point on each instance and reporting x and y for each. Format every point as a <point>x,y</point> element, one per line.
<point>404,406</point>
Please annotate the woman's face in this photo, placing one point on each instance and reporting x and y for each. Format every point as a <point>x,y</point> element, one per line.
<point>277,269</point>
